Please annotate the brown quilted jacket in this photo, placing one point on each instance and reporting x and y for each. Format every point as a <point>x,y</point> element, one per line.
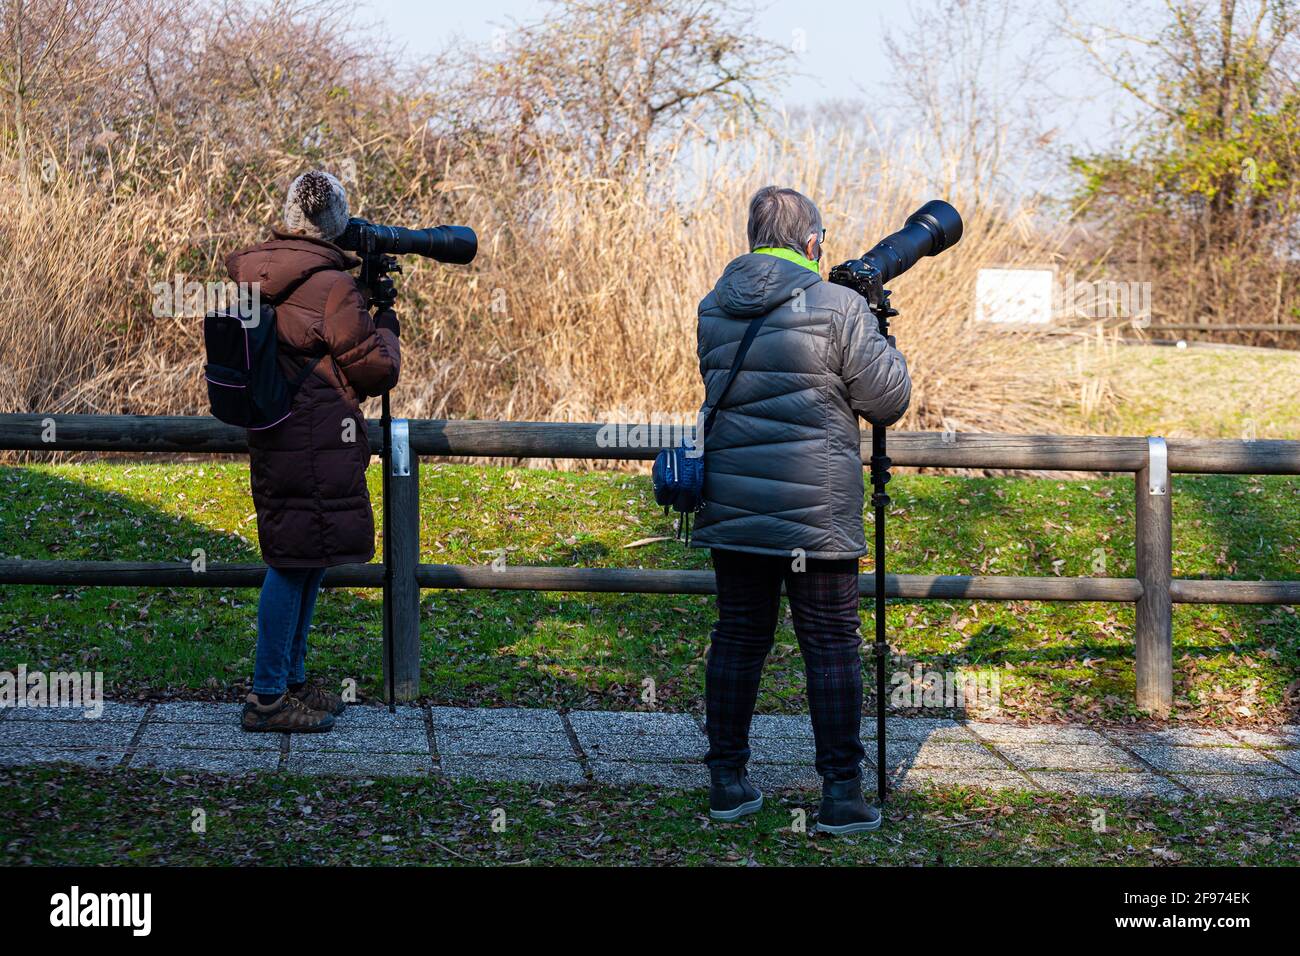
<point>308,473</point>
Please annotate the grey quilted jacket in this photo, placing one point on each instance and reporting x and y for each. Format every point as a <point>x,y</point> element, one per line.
<point>783,465</point>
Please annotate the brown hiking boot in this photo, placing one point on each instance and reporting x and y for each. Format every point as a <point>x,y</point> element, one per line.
<point>317,698</point>
<point>287,715</point>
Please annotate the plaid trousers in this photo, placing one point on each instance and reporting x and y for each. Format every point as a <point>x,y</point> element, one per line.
<point>824,603</point>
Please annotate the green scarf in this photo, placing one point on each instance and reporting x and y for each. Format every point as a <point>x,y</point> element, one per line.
<point>790,256</point>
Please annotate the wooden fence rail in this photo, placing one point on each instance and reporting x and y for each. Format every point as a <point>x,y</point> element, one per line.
<point>1152,461</point>
<point>908,587</point>
<point>482,439</point>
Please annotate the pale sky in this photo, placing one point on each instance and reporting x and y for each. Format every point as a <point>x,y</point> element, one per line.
<point>835,44</point>
<point>835,54</point>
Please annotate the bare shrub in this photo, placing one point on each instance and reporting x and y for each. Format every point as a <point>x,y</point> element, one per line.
<point>582,302</point>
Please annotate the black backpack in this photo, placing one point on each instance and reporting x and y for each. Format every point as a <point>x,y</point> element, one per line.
<point>245,385</point>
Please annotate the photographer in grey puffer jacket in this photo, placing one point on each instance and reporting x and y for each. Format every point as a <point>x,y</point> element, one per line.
<point>784,493</point>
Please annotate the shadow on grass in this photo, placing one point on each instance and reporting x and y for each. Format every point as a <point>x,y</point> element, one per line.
<point>1217,647</point>
<point>489,648</point>
<point>1230,511</point>
<point>146,640</point>
<point>200,642</point>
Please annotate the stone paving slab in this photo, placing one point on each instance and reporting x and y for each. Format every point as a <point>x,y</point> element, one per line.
<point>768,777</point>
<point>936,729</point>
<point>378,718</point>
<point>941,756</point>
<point>1177,737</point>
<point>1093,784</point>
<point>1288,736</point>
<point>1058,734</point>
<point>67,734</point>
<point>1079,757</point>
<point>669,776</point>
<point>1246,787</point>
<point>205,737</point>
<point>793,726</point>
<point>919,777</point>
<point>782,750</point>
<point>502,718</point>
<point>355,740</point>
<point>1228,760</point>
<point>1291,758</point>
<point>196,712</point>
<point>939,730</point>
<point>695,776</point>
<point>113,712</point>
<point>23,756</point>
<point>360,764</point>
<point>208,761</point>
<point>662,749</point>
<point>647,748</point>
<point>639,738</point>
<point>511,744</point>
<point>602,723</point>
<point>525,770</point>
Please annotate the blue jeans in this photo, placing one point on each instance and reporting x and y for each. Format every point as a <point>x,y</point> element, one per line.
<point>283,619</point>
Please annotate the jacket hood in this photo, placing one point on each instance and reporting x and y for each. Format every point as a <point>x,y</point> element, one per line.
<point>755,284</point>
<point>279,261</point>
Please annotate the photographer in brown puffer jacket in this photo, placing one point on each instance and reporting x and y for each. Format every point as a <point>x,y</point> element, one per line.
<point>308,473</point>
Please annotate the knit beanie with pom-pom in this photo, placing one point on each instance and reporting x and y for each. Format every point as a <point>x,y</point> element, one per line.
<point>316,206</point>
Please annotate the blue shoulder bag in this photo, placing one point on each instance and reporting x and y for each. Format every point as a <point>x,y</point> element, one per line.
<point>678,473</point>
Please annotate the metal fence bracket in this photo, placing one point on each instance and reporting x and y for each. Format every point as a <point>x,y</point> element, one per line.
<point>401,453</point>
<point>1157,466</point>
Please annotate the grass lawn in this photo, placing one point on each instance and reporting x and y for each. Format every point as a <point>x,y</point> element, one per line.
<point>70,815</point>
<point>1054,661</point>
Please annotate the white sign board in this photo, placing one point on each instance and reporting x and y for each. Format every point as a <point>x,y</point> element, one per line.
<point>1014,296</point>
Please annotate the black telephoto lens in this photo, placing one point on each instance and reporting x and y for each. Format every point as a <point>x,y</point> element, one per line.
<point>454,244</point>
<point>929,231</point>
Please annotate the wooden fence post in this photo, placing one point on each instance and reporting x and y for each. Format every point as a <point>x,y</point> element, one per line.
<point>1154,650</point>
<point>404,525</point>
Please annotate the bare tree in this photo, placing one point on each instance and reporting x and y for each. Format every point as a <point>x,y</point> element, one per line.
<point>606,77</point>
<point>49,51</point>
<point>966,89</point>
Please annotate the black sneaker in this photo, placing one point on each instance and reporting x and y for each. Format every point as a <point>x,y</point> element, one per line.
<point>731,795</point>
<point>843,809</point>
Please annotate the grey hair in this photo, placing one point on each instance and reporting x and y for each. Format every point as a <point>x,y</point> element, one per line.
<point>782,218</point>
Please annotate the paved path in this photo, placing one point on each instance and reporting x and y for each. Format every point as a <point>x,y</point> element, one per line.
<point>658,749</point>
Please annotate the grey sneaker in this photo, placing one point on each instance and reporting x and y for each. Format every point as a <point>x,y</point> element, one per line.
<point>843,809</point>
<point>731,795</point>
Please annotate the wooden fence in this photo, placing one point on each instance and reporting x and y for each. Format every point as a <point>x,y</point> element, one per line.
<point>1152,461</point>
